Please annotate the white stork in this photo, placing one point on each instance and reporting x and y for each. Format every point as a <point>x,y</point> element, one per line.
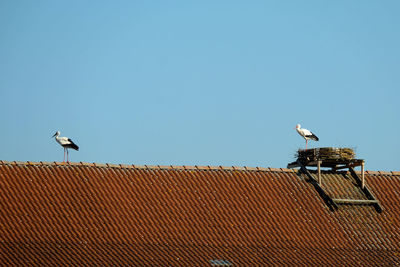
<point>66,143</point>
<point>306,134</point>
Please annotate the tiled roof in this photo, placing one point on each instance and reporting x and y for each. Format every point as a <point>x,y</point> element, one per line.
<point>126,215</point>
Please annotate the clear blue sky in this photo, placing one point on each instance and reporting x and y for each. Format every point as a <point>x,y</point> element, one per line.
<point>199,82</point>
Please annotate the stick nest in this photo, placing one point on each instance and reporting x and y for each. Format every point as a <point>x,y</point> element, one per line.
<point>326,154</point>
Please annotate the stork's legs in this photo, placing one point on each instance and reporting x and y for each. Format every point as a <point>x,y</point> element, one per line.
<point>66,149</point>
<point>306,143</point>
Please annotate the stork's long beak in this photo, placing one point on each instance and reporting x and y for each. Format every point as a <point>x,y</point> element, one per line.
<point>54,135</point>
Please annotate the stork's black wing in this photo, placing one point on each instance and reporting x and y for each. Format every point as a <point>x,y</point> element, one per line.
<point>71,145</point>
<point>312,137</point>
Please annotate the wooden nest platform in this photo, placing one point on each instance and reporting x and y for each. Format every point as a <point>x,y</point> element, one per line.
<point>326,154</point>
<point>333,157</point>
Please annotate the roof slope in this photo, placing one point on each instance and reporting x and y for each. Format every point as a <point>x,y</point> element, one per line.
<point>90,214</point>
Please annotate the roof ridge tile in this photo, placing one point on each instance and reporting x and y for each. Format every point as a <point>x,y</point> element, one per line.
<point>140,166</point>
<point>100,165</point>
<point>164,167</point>
<point>202,167</point>
<point>115,166</point>
<point>170,167</point>
<point>226,168</point>
<point>127,166</point>
<point>188,167</point>
<point>46,163</point>
<point>238,168</point>
<point>213,167</point>
<point>178,167</point>
<point>287,170</point>
<point>150,167</point>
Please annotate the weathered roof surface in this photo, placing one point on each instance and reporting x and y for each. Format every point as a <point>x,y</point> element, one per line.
<point>92,214</point>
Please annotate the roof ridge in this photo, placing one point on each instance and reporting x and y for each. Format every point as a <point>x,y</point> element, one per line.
<point>170,167</point>
<point>150,167</point>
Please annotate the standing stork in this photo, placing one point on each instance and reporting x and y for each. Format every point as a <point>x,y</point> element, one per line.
<point>306,134</point>
<point>66,143</point>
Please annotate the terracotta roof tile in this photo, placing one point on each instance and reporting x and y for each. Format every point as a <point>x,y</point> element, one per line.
<point>107,215</point>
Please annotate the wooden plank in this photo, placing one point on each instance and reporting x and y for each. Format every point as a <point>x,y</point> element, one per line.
<point>304,170</point>
<point>293,165</point>
<point>339,164</point>
<point>328,200</point>
<point>366,190</point>
<point>356,163</point>
<point>362,176</point>
<point>319,173</point>
<point>337,168</point>
<point>355,201</point>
